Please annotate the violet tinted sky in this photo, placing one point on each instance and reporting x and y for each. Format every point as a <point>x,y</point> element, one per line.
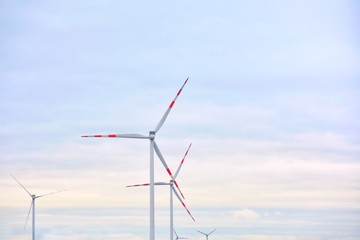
<point>271,109</point>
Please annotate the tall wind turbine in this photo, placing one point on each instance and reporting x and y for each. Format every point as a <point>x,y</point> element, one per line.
<point>32,206</point>
<point>206,234</point>
<point>172,191</point>
<point>177,237</point>
<point>153,146</point>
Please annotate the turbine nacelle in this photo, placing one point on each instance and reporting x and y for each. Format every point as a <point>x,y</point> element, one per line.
<point>152,135</point>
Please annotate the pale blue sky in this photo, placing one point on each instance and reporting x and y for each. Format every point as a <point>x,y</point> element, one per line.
<point>271,107</point>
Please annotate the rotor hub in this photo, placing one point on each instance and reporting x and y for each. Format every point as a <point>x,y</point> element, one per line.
<point>152,135</point>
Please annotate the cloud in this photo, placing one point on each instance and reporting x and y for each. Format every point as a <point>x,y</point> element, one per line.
<point>278,213</point>
<point>246,214</point>
<point>271,110</point>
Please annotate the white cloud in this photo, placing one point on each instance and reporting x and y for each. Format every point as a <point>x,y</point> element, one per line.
<point>278,213</point>
<point>246,214</point>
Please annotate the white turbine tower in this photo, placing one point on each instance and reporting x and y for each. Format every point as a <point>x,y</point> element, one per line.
<point>153,146</point>
<point>177,237</point>
<point>171,183</point>
<point>32,206</point>
<point>206,234</point>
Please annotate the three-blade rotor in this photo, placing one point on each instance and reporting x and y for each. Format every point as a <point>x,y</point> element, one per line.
<point>172,181</point>
<point>33,197</point>
<point>162,159</point>
<point>141,136</point>
<point>207,234</point>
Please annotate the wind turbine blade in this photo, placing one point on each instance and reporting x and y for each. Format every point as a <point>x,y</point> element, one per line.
<point>139,185</point>
<point>201,232</point>
<point>177,186</point>
<point>177,195</point>
<point>22,186</point>
<point>162,159</point>
<point>32,202</point>
<point>182,161</point>
<point>162,120</point>
<point>50,193</point>
<point>212,231</point>
<point>131,135</point>
<point>148,184</point>
<point>177,237</point>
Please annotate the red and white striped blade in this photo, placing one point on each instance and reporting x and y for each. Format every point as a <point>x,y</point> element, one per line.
<point>162,120</point>
<point>161,157</point>
<point>148,184</point>
<point>139,185</point>
<point>177,195</point>
<point>177,186</point>
<point>182,161</point>
<point>131,135</point>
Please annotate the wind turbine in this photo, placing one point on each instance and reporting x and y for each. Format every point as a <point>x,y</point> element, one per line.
<point>177,237</point>
<point>153,147</point>
<point>32,206</point>
<point>206,234</point>
<point>172,191</point>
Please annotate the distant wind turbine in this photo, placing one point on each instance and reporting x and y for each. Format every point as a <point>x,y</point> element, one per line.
<point>206,234</point>
<point>32,206</point>
<point>177,237</point>
<point>172,191</point>
<point>153,146</point>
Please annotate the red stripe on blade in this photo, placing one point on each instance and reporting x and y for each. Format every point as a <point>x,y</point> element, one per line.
<point>179,92</point>
<point>172,104</point>
<point>112,135</point>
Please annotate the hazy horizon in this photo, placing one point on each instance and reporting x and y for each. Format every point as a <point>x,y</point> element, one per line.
<point>271,109</point>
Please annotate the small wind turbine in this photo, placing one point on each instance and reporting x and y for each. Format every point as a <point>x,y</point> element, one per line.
<point>177,237</point>
<point>32,206</point>
<point>153,146</point>
<point>206,234</point>
<point>172,190</point>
